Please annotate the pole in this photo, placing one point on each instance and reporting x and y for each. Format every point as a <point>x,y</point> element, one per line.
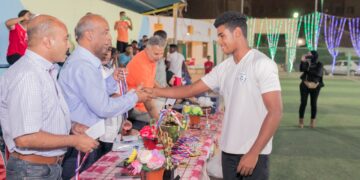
<point>316,5</point>
<point>242,6</point>
<point>322,5</point>
<point>175,15</point>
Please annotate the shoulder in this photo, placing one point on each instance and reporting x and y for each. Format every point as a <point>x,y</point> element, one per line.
<point>77,65</point>
<point>260,59</point>
<point>22,72</point>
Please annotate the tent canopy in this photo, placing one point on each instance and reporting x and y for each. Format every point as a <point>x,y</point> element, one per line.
<point>143,6</point>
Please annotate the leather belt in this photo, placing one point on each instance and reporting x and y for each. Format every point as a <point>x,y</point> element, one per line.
<point>38,159</point>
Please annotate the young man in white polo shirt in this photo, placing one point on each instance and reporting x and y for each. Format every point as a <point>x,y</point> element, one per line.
<point>249,82</point>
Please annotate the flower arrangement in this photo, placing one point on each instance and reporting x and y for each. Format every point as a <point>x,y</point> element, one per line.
<point>147,160</point>
<point>149,136</point>
<point>194,113</point>
<point>193,110</point>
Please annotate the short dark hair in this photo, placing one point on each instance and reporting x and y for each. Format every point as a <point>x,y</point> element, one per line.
<point>134,41</point>
<point>122,12</point>
<point>173,46</point>
<point>23,12</point>
<point>161,33</point>
<point>232,20</point>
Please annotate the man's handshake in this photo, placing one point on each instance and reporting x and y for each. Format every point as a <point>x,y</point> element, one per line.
<point>144,94</point>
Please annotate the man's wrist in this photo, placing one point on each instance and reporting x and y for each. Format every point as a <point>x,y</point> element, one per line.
<point>72,139</point>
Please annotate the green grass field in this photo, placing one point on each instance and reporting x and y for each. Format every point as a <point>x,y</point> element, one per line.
<point>331,151</point>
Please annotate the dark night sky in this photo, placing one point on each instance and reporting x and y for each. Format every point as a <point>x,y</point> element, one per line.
<point>204,9</point>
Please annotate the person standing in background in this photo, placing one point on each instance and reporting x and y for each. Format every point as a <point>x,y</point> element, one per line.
<point>161,67</point>
<point>122,26</point>
<point>311,83</point>
<point>208,65</point>
<point>124,58</point>
<point>17,36</point>
<point>176,62</point>
<point>134,45</point>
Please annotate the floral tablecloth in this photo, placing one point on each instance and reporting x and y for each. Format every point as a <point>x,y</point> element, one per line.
<point>191,168</point>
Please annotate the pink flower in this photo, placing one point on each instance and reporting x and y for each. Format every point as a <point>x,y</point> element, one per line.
<point>144,156</point>
<point>137,167</point>
<point>157,160</point>
<point>148,132</point>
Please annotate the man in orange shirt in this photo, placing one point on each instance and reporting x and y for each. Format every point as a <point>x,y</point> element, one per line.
<point>142,70</point>
<point>122,26</point>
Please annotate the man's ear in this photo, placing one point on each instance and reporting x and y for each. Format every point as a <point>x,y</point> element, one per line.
<point>89,35</point>
<point>237,32</point>
<point>48,42</point>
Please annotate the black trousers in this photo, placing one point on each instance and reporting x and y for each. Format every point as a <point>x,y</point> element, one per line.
<point>121,46</point>
<point>304,93</point>
<point>230,163</point>
<point>70,159</point>
<point>11,59</point>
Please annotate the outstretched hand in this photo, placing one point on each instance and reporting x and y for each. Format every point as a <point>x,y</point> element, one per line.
<point>143,95</point>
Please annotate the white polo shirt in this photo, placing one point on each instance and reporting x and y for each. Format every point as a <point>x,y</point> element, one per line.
<point>176,61</point>
<point>242,86</point>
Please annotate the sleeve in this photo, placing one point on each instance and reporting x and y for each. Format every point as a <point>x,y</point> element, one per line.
<point>212,79</point>
<point>25,105</point>
<point>111,85</point>
<point>97,98</point>
<point>267,76</point>
<point>304,66</point>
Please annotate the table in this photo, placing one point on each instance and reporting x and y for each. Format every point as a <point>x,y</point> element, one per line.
<point>192,168</point>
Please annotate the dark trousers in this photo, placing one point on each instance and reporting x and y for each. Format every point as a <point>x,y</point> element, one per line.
<point>70,159</point>
<point>230,163</point>
<point>121,46</point>
<point>11,59</point>
<point>17,169</point>
<point>139,119</point>
<point>304,93</point>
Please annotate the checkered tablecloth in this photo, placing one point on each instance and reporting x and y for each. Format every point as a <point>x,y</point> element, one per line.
<point>191,168</point>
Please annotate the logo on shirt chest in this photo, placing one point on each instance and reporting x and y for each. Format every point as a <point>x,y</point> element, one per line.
<point>242,77</point>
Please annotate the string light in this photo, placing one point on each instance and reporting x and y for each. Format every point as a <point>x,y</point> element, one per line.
<point>333,35</point>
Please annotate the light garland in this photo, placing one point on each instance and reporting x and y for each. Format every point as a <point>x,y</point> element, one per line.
<point>333,35</point>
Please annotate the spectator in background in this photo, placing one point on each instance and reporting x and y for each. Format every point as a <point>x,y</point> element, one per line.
<point>208,65</point>
<point>142,42</point>
<point>122,26</point>
<point>17,36</point>
<point>134,45</point>
<point>107,63</point>
<point>311,83</point>
<point>125,58</point>
<point>160,67</point>
<point>176,62</point>
<point>185,74</point>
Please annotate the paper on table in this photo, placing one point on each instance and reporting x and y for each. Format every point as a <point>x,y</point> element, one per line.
<point>170,102</point>
<point>96,130</point>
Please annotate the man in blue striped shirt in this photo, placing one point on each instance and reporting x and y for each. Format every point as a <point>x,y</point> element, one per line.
<point>87,94</point>
<point>34,116</point>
